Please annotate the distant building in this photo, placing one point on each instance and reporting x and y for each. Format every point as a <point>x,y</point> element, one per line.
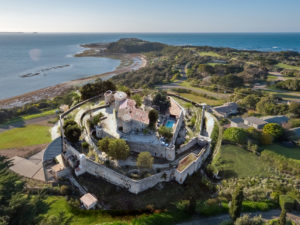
<point>89,201</point>
<point>281,120</point>
<point>229,108</point>
<point>238,122</point>
<point>255,122</point>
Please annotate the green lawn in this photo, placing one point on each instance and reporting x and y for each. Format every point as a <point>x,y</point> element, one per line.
<point>58,204</point>
<point>45,113</point>
<point>24,136</point>
<point>295,122</point>
<point>292,153</point>
<point>237,162</point>
<point>31,116</point>
<point>286,66</point>
<point>201,99</point>
<point>209,53</point>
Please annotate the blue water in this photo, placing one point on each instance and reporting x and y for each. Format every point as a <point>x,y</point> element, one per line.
<point>170,123</point>
<point>29,53</point>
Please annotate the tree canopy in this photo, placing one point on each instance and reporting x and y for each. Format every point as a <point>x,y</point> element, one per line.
<point>235,135</point>
<point>273,129</point>
<point>162,101</point>
<point>144,160</point>
<point>115,148</point>
<point>153,117</point>
<point>72,131</point>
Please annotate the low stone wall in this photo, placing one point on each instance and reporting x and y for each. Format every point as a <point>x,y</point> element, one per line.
<point>155,150</point>
<point>193,167</point>
<point>187,146</point>
<point>134,186</point>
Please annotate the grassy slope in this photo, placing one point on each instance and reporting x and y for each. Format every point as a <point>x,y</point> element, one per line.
<point>210,53</point>
<point>293,153</point>
<point>24,136</point>
<point>59,203</point>
<point>240,163</point>
<point>286,66</point>
<point>31,116</point>
<point>200,99</point>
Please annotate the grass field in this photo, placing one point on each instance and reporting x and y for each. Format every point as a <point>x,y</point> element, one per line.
<point>24,136</point>
<point>201,99</point>
<point>286,66</point>
<point>59,204</point>
<point>210,53</point>
<point>237,162</point>
<point>31,116</point>
<point>292,153</point>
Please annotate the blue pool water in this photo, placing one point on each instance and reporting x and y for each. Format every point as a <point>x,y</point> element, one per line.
<point>170,123</point>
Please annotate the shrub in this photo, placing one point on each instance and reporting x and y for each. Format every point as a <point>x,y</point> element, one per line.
<point>246,220</point>
<point>65,190</point>
<point>266,139</point>
<point>235,135</point>
<point>144,160</point>
<point>115,148</point>
<point>73,133</point>
<point>84,145</point>
<point>286,202</point>
<point>165,132</point>
<point>211,207</point>
<point>138,99</point>
<point>273,129</point>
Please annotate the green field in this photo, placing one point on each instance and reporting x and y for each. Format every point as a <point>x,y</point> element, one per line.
<point>201,99</point>
<point>31,116</point>
<point>237,162</point>
<point>24,136</point>
<point>59,204</point>
<point>210,53</point>
<point>286,66</point>
<point>292,153</point>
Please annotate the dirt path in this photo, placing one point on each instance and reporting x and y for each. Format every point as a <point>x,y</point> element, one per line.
<point>272,214</point>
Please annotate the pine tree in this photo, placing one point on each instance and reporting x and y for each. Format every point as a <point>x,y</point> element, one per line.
<point>236,203</point>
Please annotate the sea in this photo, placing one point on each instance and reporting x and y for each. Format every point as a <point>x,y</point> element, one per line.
<point>31,61</point>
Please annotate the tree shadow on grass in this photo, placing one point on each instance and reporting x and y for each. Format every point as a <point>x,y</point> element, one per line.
<point>16,123</point>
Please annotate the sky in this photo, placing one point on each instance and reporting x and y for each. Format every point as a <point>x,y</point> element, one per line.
<point>150,16</point>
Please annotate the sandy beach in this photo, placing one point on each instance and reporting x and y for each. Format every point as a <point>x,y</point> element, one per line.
<point>138,61</point>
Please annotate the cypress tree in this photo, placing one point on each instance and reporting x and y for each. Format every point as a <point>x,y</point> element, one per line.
<point>282,218</point>
<point>236,203</point>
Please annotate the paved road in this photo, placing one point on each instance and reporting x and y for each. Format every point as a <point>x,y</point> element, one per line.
<point>272,214</point>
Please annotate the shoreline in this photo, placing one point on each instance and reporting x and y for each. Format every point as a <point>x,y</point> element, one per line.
<point>138,61</point>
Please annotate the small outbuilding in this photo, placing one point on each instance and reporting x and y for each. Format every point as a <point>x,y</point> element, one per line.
<point>255,122</point>
<point>229,108</point>
<point>280,120</point>
<point>89,201</point>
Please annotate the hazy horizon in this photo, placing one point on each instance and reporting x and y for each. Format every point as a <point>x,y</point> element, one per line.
<point>117,16</point>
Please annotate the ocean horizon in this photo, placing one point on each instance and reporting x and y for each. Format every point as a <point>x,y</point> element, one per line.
<point>50,55</point>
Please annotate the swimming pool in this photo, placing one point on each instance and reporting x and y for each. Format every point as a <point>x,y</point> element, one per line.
<point>169,123</point>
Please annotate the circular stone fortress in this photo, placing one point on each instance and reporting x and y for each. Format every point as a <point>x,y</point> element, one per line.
<point>173,159</point>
